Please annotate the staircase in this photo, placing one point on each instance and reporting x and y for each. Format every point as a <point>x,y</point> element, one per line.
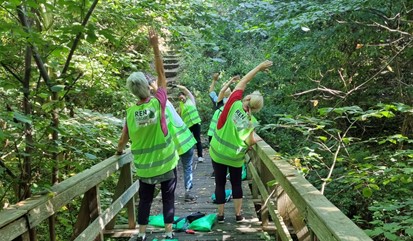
<point>171,65</point>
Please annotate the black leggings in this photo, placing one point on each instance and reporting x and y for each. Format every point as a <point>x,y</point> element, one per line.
<point>235,176</point>
<point>146,192</point>
<point>196,131</point>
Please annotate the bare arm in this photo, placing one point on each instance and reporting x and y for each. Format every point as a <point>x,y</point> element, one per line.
<point>225,87</point>
<point>247,78</point>
<point>187,93</point>
<point>215,78</point>
<point>153,39</point>
<point>253,138</point>
<point>124,138</point>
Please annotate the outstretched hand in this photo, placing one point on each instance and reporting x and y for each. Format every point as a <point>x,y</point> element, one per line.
<point>235,78</point>
<point>216,76</point>
<point>265,65</point>
<point>153,37</point>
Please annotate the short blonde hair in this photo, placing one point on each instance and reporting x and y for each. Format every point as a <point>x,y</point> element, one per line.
<point>256,101</point>
<point>138,85</point>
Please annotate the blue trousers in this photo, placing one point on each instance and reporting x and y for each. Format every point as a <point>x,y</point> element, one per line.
<point>186,160</point>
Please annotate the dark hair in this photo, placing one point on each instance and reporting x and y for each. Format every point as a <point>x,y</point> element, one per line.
<point>181,93</point>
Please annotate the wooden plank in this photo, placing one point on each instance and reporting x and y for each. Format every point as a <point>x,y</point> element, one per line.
<point>13,230</point>
<point>99,224</point>
<point>124,182</point>
<point>12,215</point>
<point>279,223</point>
<point>39,208</point>
<point>325,219</point>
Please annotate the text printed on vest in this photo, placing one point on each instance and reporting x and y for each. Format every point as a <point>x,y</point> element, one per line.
<point>146,117</point>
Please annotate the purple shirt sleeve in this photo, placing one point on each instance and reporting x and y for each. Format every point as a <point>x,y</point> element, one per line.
<point>162,96</point>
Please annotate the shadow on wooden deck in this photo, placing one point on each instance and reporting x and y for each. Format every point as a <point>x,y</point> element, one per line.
<point>203,188</point>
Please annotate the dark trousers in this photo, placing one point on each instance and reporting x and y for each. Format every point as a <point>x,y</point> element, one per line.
<point>196,131</point>
<point>146,192</point>
<point>235,176</point>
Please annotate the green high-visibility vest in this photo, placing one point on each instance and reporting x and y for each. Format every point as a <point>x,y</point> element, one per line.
<point>189,113</point>
<point>181,135</point>
<point>154,153</point>
<point>214,121</point>
<point>228,145</point>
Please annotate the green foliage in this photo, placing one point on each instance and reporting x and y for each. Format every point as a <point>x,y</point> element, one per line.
<point>337,99</point>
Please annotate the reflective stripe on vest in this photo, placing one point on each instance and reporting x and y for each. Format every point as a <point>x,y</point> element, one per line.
<point>157,163</point>
<point>154,153</point>
<point>189,113</point>
<point>226,157</point>
<point>154,148</point>
<point>214,121</point>
<point>238,149</point>
<point>181,135</point>
<point>228,145</point>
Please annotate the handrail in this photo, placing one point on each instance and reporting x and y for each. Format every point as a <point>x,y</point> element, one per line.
<point>27,214</point>
<point>319,214</point>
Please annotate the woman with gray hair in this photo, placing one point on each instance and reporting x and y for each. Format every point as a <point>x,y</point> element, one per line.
<point>233,135</point>
<point>154,153</point>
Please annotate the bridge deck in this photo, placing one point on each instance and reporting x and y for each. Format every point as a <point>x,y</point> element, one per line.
<point>250,229</point>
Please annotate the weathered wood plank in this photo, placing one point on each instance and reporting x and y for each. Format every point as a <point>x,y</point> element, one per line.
<point>279,223</point>
<point>325,219</point>
<point>39,208</point>
<point>125,181</point>
<point>99,224</point>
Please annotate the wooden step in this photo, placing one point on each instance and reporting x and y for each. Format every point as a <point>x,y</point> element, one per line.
<point>169,74</point>
<point>171,66</point>
<point>170,60</point>
<point>169,56</point>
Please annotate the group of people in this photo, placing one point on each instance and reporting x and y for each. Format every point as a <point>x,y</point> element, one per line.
<point>160,136</point>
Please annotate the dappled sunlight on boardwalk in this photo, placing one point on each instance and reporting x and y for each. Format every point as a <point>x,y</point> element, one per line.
<point>249,229</point>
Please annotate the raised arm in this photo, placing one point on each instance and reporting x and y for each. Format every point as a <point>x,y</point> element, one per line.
<point>224,88</point>
<point>214,79</point>
<point>247,78</point>
<point>187,92</point>
<point>153,39</point>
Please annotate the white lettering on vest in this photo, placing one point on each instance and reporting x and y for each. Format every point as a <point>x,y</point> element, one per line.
<point>145,117</point>
<point>241,120</point>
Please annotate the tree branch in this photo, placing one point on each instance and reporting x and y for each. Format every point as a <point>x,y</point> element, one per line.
<point>77,38</point>
<point>71,86</point>
<point>39,62</point>
<point>11,72</point>
<point>338,93</point>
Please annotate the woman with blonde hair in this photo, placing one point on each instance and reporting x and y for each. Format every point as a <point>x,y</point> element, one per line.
<point>233,135</point>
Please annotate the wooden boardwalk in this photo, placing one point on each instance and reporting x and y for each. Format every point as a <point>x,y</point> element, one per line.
<point>250,229</point>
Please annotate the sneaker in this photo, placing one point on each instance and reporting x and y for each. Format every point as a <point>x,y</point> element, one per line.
<point>221,219</point>
<point>200,159</point>
<point>169,236</point>
<point>141,238</point>
<point>239,218</point>
<point>189,197</point>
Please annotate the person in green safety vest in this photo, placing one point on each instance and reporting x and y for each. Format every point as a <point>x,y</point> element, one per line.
<point>216,101</point>
<point>189,114</point>
<point>184,142</point>
<point>154,152</point>
<point>233,135</point>
<point>220,101</point>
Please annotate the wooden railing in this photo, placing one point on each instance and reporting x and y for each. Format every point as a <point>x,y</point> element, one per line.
<point>295,206</point>
<point>17,220</point>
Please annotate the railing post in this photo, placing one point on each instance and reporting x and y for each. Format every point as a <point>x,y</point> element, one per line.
<point>89,211</point>
<point>125,181</point>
